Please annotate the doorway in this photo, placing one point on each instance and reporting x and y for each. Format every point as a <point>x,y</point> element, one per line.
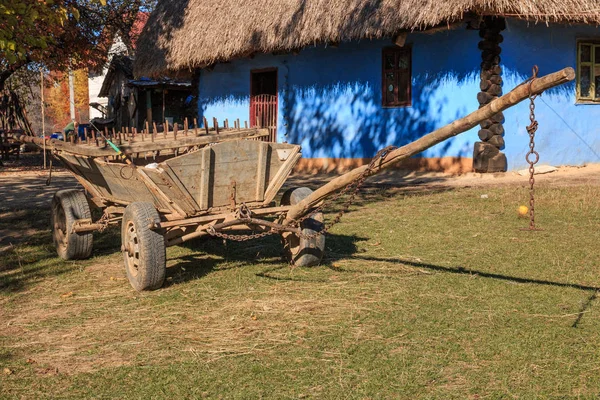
<point>263,101</point>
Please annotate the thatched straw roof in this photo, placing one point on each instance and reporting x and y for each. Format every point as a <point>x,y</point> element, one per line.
<point>187,34</point>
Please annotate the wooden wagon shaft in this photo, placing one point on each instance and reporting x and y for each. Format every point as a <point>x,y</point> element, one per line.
<point>510,99</point>
<point>142,147</point>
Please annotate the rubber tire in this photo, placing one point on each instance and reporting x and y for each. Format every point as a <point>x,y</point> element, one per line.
<point>67,207</point>
<point>149,274</point>
<point>299,251</point>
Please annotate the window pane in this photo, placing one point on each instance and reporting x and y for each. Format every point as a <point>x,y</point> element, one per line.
<point>585,84</point>
<point>403,61</point>
<point>389,61</point>
<point>597,81</point>
<point>390,87</point>
<point>403,88</point>
<point>586,53</point>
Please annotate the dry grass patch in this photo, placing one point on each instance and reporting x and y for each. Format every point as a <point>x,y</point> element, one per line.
<point>427,294</point>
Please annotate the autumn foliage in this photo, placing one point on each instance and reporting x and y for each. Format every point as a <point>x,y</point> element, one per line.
<point>56,94</point>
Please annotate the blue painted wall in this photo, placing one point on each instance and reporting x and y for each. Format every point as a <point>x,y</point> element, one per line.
<point>330,98</point>
<point>569,133</point>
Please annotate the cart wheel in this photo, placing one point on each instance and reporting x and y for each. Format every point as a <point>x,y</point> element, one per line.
<point>67,207</point>
<point>300,251</point>
<point>144,250</point>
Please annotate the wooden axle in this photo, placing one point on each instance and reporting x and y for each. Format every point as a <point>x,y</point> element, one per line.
<point>234,224</point>
<point>213,217</point>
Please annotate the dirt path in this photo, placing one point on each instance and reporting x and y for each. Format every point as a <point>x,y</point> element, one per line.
<point>564,176</point>
<point>19,190</point>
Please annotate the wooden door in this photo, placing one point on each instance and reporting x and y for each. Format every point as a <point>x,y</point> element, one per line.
<point>264,101</point>
<point>263,114</point>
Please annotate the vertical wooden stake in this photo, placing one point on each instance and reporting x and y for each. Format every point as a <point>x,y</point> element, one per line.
<point>185,126</point>
<point>226,125</point>
<point>238,124</point>
<point>147,128</point>
<point>196,126</point>
<point>155,131</point>
<point>205,125</point>
<point>175,131</point>
<point>94,136</point>
<point>216,124</point>
<point>245,124</point>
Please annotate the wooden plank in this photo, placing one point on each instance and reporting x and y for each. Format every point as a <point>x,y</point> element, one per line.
<point>234,162</point>
<point>178,199</point>
<point>142,147</point>
<point>158,191</point>
<point>261,173</point>
<point>118,181</point>
<point>205,174</point>
<point>282,173</point>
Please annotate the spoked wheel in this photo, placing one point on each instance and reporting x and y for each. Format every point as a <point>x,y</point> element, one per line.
<point>67,207</point>
<point>144,250</point>
<point>307,251</point>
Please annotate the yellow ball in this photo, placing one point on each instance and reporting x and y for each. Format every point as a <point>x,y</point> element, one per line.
<point>523,211</point>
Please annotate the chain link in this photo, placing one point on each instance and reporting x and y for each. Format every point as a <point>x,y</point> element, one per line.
<point>104,220</point>
<point>355,186</point>
<point>240,238</point>
<point>532,156</point>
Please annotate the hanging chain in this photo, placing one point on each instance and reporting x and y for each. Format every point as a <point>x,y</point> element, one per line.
<point>532,156</point>
<point>355,186</point>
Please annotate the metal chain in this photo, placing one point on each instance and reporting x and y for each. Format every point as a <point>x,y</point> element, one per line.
<point>355,184</point>
<point>104,220</point>
<point>240,238</point>
<point>532,156</point>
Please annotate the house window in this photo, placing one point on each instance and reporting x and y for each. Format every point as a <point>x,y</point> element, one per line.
<point>588,71</point>
<point>396,77</point>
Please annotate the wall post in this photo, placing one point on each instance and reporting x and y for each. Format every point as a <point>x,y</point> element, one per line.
<point>487,156</point>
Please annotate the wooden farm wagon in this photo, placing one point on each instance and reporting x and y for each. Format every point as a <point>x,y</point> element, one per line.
<point>165,189</point>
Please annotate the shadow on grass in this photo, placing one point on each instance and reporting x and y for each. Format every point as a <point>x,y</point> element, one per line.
<point>213,255</point>
<point>28,254</point>
<point>471,272</point>
<point>584,308</point>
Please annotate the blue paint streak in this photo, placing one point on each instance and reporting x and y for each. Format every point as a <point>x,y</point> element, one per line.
<point>569,133</point>
<point>330,98</point>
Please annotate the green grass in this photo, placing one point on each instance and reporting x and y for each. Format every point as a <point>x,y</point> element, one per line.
<point>423,294</point>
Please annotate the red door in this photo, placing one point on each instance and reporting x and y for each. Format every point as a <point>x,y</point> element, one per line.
<point>263,101</point>
<point>263,114</point>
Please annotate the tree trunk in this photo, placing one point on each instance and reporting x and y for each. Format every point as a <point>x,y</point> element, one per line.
<point>7,73</point>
